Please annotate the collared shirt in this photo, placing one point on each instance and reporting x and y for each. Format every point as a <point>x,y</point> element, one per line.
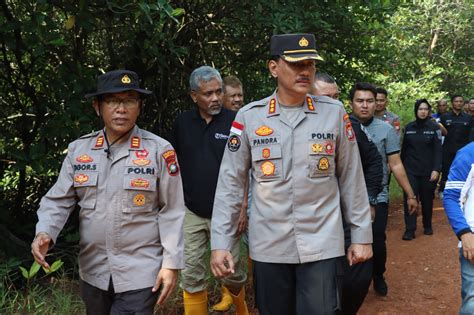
<point>387,142</point>
<point>132,209</point>
<point>200,147</point>
<point>303,174</point>
<point>392,119</point>
<point>458,127</point>
<point>421,148</point>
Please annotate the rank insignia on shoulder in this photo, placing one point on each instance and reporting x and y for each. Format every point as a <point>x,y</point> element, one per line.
<point>233,143</point>
<point>99,142</point>
<point>139,183</point>
<point>346,117</point>
<point>397,125</point>
<point>135,143</point>
<point>268,168</point>
<point>329,148</point>
<point>349,132</point>
<point>264,131</point>
<point>141,154</point>
<point>237,128</point>
<point>171,163</point>
<point>139,200</point>
<point>266,153</point>
<point>272,107</point>
<point>141,162</point>
<point>309,101</point>
<point>323,164</point>
<point>81,178</point>
<point>84,158</point>
<point>317,147</point>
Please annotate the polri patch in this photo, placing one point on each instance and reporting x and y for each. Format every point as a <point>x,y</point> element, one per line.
<point>264,131</point>
<point>139,200</point>
<point>81,178</point>
<point>84,158</point>
<point>234,143</point>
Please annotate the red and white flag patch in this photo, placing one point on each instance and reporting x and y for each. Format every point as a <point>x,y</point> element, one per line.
<point>237,128</point>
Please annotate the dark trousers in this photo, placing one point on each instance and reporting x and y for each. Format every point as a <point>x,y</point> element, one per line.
<point>289,289</point>
<point>134,302</point>
<point>356,279</point>
<point>424,190</point>
<point>448,158</point>
<point>379,246</point>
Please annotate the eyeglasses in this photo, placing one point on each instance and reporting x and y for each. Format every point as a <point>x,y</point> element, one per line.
<point>128,103</point>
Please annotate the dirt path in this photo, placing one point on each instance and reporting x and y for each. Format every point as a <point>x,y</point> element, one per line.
<point>423,274</point>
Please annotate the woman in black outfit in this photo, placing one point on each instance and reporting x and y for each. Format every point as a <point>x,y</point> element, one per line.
<point>421,157</point>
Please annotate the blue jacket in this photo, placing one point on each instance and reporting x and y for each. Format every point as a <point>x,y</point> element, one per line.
<point>458,178</point>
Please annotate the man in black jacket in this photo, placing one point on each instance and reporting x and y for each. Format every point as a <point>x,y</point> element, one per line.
<point>357,278</point>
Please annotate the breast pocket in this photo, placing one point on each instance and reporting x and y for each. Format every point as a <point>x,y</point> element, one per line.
<point>267,163</point>
<point>85,183</point>
<point>321,158</point>
<point>141,193</point>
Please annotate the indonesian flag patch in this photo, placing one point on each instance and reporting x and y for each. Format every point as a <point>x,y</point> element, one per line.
<point>237,128</point>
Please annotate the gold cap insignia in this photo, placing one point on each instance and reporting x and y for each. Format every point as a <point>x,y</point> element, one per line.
<point>303,42</point>
<point>126,79</point>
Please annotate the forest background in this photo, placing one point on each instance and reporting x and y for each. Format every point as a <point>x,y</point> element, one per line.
<point>53,50</point>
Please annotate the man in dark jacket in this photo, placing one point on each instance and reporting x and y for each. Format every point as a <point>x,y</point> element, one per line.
<point>357,278</point>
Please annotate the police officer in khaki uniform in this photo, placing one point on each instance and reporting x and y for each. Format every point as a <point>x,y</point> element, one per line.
<point>127,182</point>
<point>306,167</point>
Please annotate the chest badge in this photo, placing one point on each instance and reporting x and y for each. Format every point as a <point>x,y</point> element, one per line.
<point>268,168</point>
<point>81,178</point>
<point>329,148</point>
<point>323,164</point>
<point>141,162</point>
<point>266,153</point>
<point>84,158</point>
<point>317,147</point>
<point>139,183</point>
<point>139,200</point>
<point>264,131</point>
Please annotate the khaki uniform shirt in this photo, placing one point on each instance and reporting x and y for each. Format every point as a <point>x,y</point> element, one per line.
<point>303,174</point>
<point>132,209</point>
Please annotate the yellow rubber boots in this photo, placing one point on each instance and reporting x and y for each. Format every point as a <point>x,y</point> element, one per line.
<point>225,303</point>
<point>239,302</point>
<point>195,303</point>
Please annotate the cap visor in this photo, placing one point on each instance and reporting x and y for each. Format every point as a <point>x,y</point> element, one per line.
<point>301,57</point>
<point>117,90</point>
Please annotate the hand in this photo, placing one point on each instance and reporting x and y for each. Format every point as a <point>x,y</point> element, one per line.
<point>40,247</point>
<point>243,221</point>
<point>412,205</point>
<point>359,253</point>
<point>434,176</point>
<point>372,213</point>
<point>467,241</point>
<point>166,278</point>
<point>222,263</point>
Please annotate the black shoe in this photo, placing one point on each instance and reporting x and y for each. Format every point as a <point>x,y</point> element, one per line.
<point>408,235</point>
<point>380,286</point>
<point>428,231</point>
